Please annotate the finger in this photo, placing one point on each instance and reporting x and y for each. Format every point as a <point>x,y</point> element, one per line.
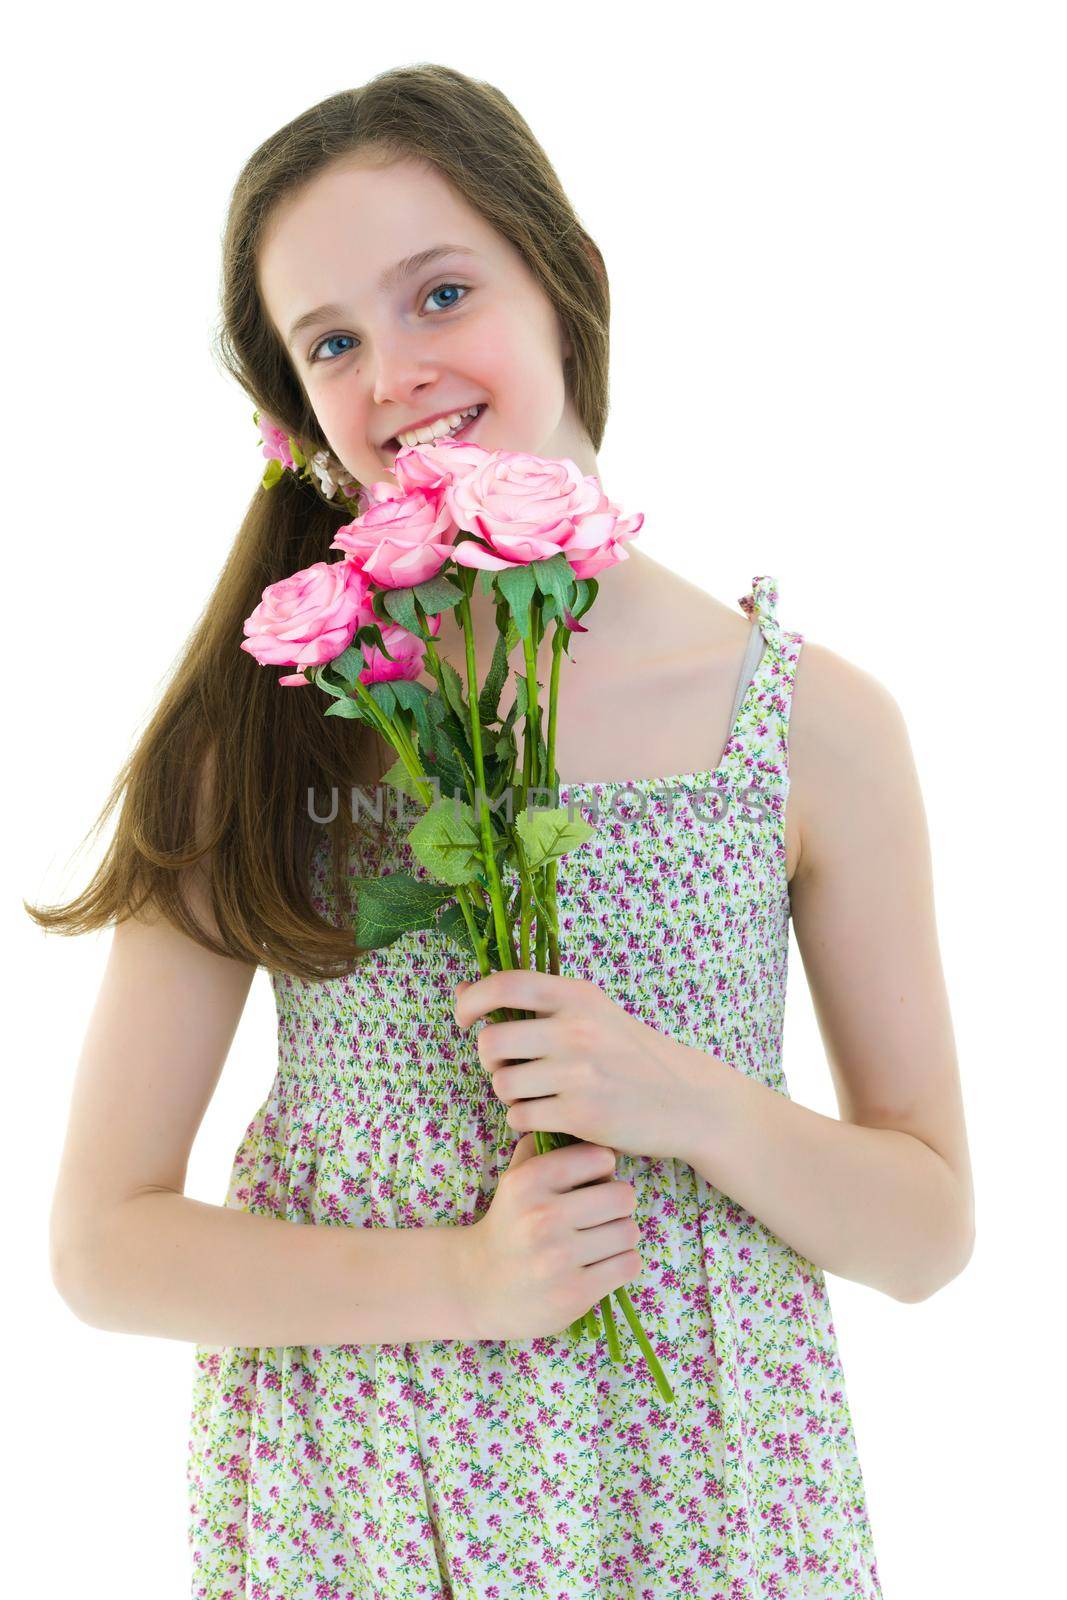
<point>500,1042</point>
<point>523,1150</point>
<point>518,989</point>
<point>544,1114</point>
<point>530,1081</point>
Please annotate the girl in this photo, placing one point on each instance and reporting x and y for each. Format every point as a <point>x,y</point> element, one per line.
<point>383,1402</point>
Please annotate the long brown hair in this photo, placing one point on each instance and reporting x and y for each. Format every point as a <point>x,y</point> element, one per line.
<point>219,780</point>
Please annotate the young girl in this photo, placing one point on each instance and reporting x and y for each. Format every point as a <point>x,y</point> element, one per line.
<point>386,1402</point>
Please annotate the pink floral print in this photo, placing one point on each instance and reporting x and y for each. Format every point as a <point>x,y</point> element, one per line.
<point>494,1470</point>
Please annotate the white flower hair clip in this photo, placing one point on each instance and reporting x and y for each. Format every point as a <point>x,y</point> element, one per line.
<point>284,454</point>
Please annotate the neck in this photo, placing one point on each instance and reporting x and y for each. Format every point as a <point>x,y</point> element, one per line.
<point>625,591</point>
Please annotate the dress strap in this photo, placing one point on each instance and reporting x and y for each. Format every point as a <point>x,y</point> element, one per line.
<point>764,718</point>
<point>760,605</point>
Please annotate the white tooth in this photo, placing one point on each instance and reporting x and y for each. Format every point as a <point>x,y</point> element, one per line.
<point>437,429</point>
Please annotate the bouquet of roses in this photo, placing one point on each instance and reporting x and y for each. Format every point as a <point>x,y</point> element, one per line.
<point>362,629</point>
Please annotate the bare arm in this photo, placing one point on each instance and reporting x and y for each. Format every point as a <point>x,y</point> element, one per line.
<point>130,1252</point>
<point>167,1265</point>
<point>883,1196</point>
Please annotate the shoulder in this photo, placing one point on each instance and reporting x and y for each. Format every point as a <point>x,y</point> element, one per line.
<point>832,696</point>
<point>850,759</point>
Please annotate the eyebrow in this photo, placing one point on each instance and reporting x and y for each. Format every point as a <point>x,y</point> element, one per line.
<point>388,280</point>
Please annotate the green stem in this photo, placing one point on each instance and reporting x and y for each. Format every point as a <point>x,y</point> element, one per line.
<point>544,894</point>
<point>435,668</point>
<point>396,735</point>
<point>552,867</point>
<point>481,805</point>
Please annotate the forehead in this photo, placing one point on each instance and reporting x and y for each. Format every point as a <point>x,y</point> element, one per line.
<point>334,238</point>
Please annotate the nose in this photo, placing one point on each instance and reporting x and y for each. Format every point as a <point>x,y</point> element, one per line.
<point>401,373</point>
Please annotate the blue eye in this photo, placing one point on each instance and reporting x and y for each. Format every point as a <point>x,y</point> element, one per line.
<point>329,340</point>
<point>330,337</point>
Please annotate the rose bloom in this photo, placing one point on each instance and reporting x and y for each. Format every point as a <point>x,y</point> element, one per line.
<point>437,464</point>
<point>400,540</point>
<point>527,508</point>
<point>407,648</point>
<point>309,617</point>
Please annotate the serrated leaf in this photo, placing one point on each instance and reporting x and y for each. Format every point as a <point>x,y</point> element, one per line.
<point>453,925</point>
<point>370,633</point>
<point>489,699</point>
<point>440,759</point>
<point>398,777</point>
<point>384,696</point>
<point>394,904</point>
<point>437,594</point>
<point>415,698</point>
<point>348,666</point>
<point>349,709</point>
<point>452,686</point>
<point>555,577</point>
<point>325,683</point>
<point>518,585</point>
<point>548,834</point>
<point>401,607</point>
<point>446,841</point>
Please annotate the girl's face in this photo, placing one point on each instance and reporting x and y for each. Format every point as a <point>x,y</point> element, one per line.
<point>380,349</point>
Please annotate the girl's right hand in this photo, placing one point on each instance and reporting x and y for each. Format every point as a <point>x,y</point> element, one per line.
<point>556,1239</point>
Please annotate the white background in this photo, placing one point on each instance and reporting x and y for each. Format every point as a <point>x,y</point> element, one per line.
<point>835,238</point>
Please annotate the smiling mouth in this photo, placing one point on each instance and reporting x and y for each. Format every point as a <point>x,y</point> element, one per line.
<point>391,447</point>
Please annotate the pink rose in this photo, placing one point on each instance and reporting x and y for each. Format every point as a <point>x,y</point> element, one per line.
<point>275,441</point>
<point>527,509</point>
<point>407,649</point>
<point>382,490</point>
<point>401,539</point>
<point>435,465</point>
<point>308,618</point>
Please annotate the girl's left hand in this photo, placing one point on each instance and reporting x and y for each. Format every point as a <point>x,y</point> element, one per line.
<point>584,1065</point>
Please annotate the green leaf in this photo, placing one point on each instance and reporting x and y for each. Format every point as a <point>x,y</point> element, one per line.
<point>370,633</point>
<point>348,666</point>
<point>297,454</point>
<point>555,577</point>
<point>401,607</point>
<point>321,677</point>
<point>351,710</point>
<point>416,697</point>
<point>394,904</point>
<point>504,749</point>
<point>549,834</point>
<point>518,585</point>
<point>522,704</point>
<point>489,699</point>
<point>272,474</point>
<point>437,594</point>
<point>453,925</point>
<point>398,777</point>
<point>452,685</point>
<point>446,841</point>
<point>384,696</point>
<point>508,724</point>
<point>441,760</point>
<point>587,587</point>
